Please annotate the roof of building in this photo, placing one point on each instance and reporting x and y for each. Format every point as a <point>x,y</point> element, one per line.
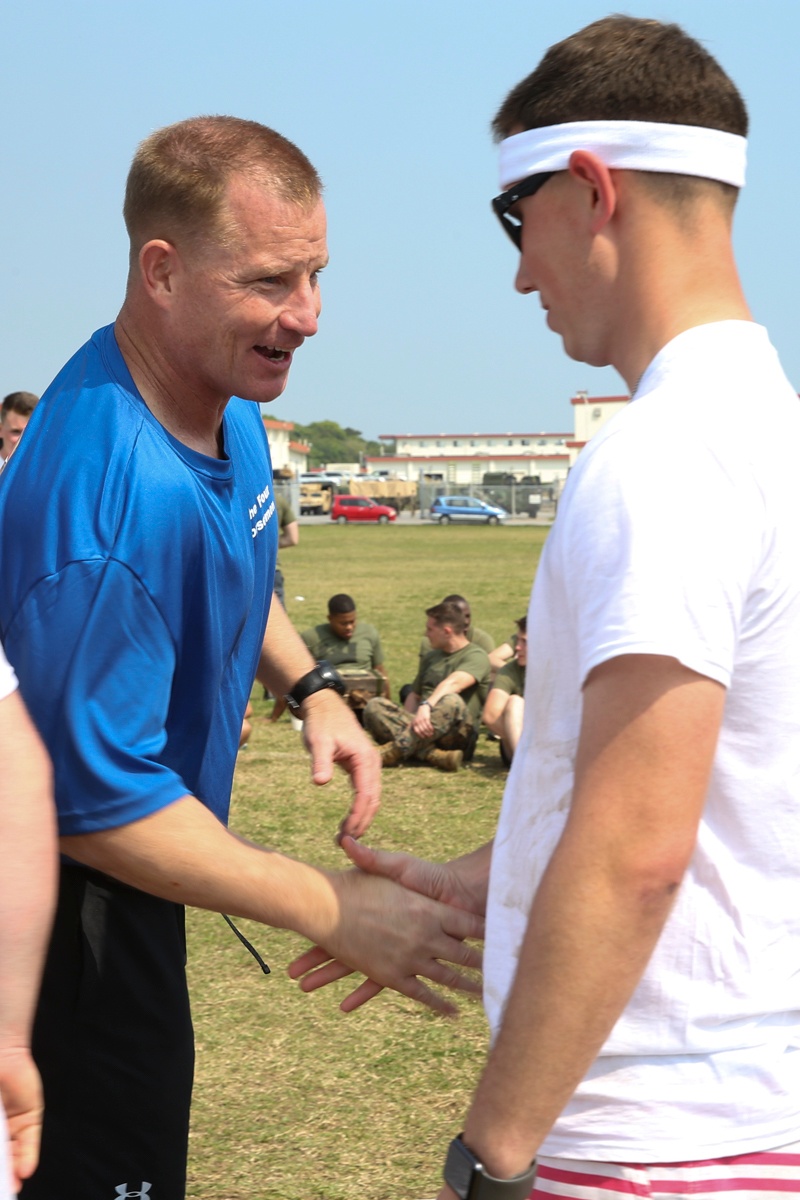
<point>393,437</point>
<point>584,398</point>
<point>439,458</point>
<point>270,424</point>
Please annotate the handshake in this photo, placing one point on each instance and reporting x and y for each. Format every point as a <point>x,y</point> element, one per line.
<point>402,921</point>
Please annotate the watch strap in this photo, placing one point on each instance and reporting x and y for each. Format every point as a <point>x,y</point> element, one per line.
<point>322,677</point>
<point>466,1175</point>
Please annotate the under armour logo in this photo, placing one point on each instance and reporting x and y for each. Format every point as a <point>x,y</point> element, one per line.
<point>124,1194</point>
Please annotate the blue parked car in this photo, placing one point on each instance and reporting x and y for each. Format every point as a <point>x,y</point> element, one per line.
<point>466,508</point>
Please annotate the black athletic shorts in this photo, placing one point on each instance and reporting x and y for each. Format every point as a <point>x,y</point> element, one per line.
<point>114,1043</point>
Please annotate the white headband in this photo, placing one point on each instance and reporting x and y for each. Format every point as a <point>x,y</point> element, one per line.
<point>626,145</point>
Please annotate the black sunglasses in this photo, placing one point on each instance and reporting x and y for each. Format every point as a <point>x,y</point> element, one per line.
<point>506,200</point>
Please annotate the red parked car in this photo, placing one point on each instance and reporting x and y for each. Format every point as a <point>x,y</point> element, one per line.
<point>360,508</point>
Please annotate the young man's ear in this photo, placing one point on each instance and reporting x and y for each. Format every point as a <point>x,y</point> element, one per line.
<point>594,175</point>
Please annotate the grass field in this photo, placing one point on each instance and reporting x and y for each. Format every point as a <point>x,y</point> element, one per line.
<point>293,1099</point>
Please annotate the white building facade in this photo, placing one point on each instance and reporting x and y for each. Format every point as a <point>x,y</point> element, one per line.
<point>287,454</point>
<point>590,413</point>
<point>463,459</point>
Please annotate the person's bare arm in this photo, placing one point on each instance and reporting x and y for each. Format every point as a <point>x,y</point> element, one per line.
<point>411,702</point>
<point>27,898</point>
<point>648,736</point>
<point>500,656</point>
<point>451,685</point>
<point>494,708</point>
<point>289,536</point>
<point>184,854</point>
<point>330,730</point>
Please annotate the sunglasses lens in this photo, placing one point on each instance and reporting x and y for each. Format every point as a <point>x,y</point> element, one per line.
<point>504,202</point>
<point>514,231</point>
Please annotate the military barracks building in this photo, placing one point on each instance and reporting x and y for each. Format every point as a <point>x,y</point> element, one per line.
<point>286,452</point>
<point>463,459</point>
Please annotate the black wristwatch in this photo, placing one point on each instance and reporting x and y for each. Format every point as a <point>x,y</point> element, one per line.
<point>466,1175</point>
<point>323,676</point>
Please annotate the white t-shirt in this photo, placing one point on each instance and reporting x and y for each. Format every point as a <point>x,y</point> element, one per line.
<point>8,680</point>
<point>679,534</point>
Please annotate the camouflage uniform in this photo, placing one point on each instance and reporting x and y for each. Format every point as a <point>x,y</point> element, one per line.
<point>455,718</point>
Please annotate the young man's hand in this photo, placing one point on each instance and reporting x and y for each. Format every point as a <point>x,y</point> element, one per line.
<point>398,938</point>
<point>461,883</point>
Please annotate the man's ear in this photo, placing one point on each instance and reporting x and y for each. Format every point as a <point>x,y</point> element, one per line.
<point>594,175</point>
<point>159,265</point>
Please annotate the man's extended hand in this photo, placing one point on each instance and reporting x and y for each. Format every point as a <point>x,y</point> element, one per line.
<point>21,1094</point>
<point>394,936</point>
<point>330,730</point>
<point>333,736</point>
<point>461,883</point>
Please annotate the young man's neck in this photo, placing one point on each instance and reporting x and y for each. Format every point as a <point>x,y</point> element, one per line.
<point>456,641</point>
<point>674,276</point>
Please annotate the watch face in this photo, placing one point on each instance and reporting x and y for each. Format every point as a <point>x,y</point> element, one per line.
<point>331,676</point>
<point>459,1168</point>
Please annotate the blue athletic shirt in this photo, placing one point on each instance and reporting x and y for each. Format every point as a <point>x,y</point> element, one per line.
<point>135,583</point>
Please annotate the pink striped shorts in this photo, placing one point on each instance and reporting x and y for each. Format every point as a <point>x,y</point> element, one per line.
<point>760,1176</point>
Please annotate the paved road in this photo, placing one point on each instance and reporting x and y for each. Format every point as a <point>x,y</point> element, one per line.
<point>546,517</point>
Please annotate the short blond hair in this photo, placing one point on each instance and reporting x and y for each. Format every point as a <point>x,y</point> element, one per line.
<point>179,175</point>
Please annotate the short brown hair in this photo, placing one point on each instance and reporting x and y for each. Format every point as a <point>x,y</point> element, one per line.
<point>629,69</point>
<point>19,402</point>
<point>179,174</point>
<point>625,69</point>
<point>449,612</point>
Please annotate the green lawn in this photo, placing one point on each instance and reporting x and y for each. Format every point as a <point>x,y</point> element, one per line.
<point>293,1099</point>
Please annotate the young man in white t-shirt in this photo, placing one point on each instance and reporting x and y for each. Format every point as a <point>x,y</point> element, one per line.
<point>643,912</point>
<point>27,897</point>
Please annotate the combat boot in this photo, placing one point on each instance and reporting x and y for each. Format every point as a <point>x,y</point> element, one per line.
<point>444,760</point>
<point>391,754</point>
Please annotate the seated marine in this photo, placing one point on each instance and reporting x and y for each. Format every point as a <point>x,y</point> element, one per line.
<point>438,723</point>
<point>345,642</point>
<point>505,704</point>
<point>477,636</point>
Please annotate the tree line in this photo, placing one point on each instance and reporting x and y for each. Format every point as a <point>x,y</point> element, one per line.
<point>332,443</point>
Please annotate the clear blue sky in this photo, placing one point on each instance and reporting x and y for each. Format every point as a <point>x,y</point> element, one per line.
<point>421,330</point>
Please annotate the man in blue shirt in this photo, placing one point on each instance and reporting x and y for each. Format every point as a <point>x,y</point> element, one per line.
<point>134,613</point>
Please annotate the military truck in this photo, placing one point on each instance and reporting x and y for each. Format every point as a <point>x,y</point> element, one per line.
<point>316,498</point>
